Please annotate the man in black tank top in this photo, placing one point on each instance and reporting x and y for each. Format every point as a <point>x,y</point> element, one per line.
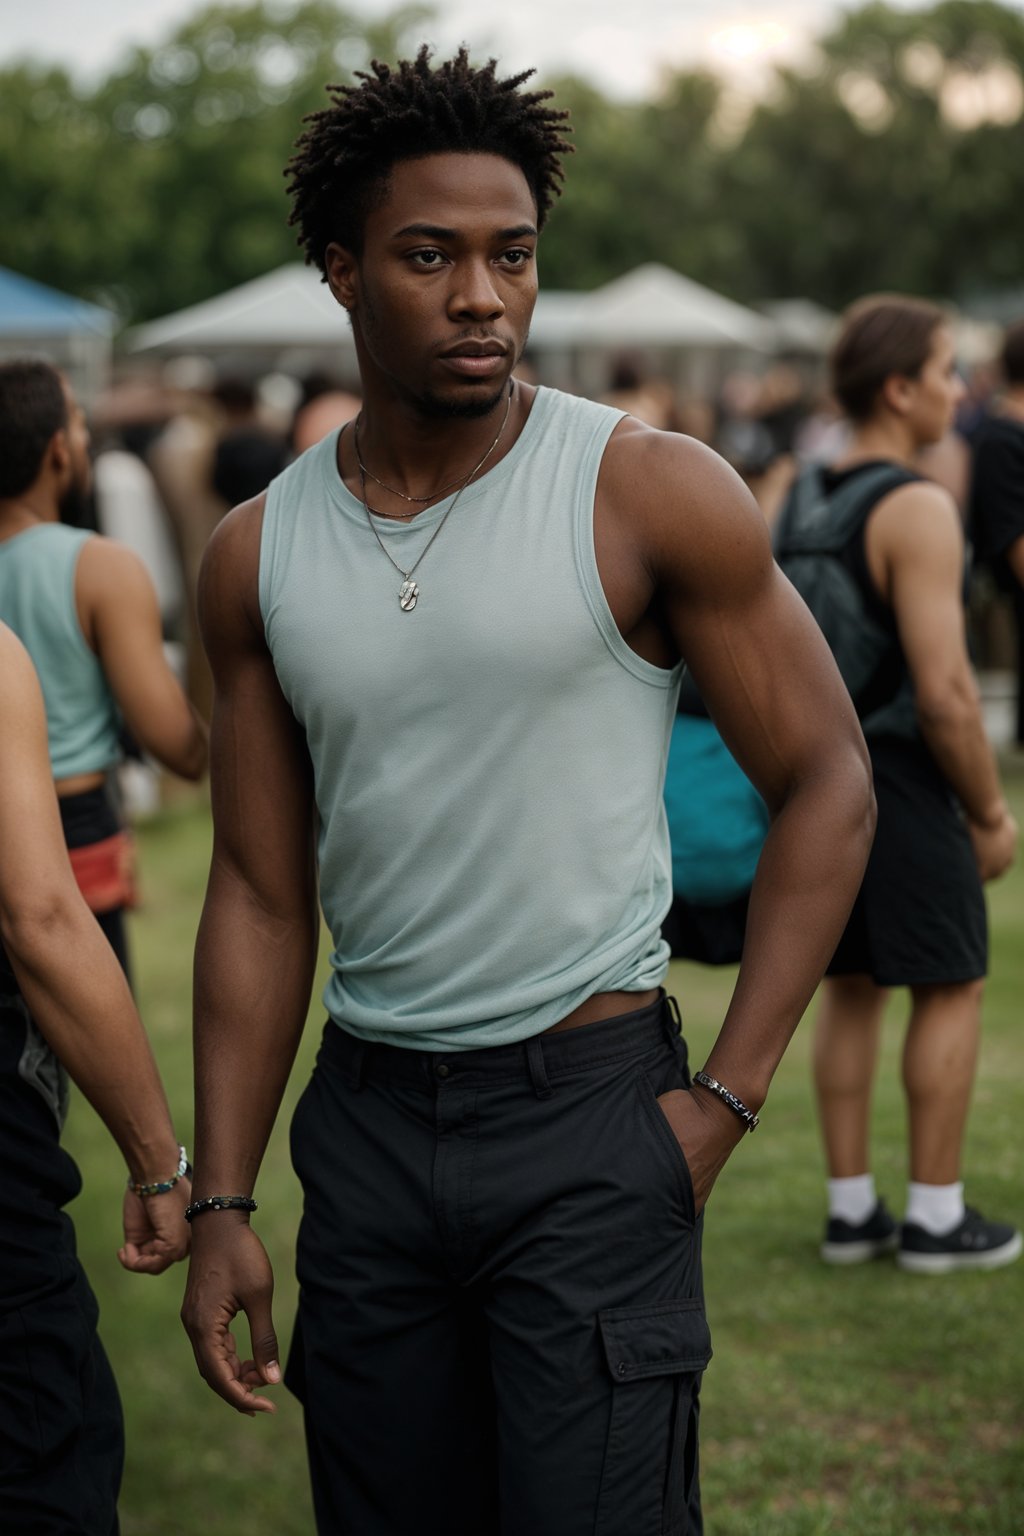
<point>500,1249</point>
<point>943,822</point>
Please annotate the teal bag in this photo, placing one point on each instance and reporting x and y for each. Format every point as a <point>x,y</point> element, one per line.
<point>717,820</point>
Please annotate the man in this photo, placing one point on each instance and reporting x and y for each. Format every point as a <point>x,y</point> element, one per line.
<point>64,1007</point>
<point>504,1163</point>
<point>86,611</point>
<point>944,825</point>
<point>997,492</point>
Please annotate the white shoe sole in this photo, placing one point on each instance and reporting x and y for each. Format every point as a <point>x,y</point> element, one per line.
<point>859,1253</point>
<point>946,1263</point>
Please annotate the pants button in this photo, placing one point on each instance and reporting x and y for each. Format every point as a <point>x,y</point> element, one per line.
<point>442,1070</point>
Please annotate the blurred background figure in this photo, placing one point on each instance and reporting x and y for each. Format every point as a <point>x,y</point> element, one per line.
<point>944,825</point>
<point>632,389</point>
<point>247,454</point>
<point>86,612</point>
<point>997,492</point>
<point>325,406</point>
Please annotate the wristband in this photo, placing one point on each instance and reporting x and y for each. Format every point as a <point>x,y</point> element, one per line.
<point>164,1186</point>
<point>220,1203</point>
<point>737,1106</point>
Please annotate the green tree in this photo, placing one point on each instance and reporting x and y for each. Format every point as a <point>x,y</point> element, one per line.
<point>164,184</point>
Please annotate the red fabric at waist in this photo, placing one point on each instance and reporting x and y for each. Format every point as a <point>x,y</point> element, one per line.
<point>105,872</point>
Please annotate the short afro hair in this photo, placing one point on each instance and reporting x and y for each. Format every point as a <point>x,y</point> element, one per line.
<point>32,408</point>
<point>343,158</point>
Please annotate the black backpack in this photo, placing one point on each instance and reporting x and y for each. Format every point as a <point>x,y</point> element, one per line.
<point>812,534</point>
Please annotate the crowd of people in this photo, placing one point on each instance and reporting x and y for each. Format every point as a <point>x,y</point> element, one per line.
<point>450,727</point>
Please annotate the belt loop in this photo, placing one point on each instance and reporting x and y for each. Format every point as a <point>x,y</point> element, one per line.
<point>673,1020</point>
<point>354,1066</point>
<point>538,1072</point>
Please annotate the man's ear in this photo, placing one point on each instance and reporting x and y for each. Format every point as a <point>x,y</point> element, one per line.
<point>58,454</point>
<point>342,274</point>
<point>898,393</point>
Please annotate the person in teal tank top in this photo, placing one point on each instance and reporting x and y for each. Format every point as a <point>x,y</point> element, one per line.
<point>86,612</point>
<point>446,647</point>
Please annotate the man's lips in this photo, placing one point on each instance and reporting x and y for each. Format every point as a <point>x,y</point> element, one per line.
<point>481,361</point>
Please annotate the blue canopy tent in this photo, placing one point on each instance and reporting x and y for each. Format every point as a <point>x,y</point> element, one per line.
<point>74,335</point>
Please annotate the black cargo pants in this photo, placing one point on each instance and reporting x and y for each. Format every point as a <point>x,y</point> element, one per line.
<point>501,1325</point>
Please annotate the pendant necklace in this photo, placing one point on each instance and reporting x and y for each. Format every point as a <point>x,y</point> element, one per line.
<point>409,592</point>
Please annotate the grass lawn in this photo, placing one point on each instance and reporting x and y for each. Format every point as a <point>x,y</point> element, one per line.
<point>864,1401</point>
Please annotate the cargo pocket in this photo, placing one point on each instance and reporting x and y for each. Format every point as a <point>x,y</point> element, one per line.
<point>656,1354</point>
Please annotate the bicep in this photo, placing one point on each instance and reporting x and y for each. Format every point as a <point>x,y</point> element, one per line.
<point>34,870</point>
<point>260,774</point>
<point>926,570</point>
<point>129,640</point>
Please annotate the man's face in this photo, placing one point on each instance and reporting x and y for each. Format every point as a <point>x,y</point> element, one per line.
<point>442,294</point>
<point>78,474</point>
<point>938,389</point>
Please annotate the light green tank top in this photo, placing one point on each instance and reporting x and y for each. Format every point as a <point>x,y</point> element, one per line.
<point>37,601</point>
<point>488,767</point>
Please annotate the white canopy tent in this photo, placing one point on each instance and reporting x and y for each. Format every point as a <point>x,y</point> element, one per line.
<point>286,319</point>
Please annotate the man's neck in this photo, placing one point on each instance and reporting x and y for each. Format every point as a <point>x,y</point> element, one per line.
<point>881,440</point>
<point>20,512</point>
<point>423,455</point>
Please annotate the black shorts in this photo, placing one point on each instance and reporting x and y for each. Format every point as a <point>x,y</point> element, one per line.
<point>501,1323</point>
<point>919,918</point>
<point>61,1433</point>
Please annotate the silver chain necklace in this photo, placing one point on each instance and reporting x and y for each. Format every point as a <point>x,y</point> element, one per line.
<point>409,592</point>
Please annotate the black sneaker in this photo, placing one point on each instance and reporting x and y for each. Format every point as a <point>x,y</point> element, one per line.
<point>974,1244</point>
<point>846,1243</point>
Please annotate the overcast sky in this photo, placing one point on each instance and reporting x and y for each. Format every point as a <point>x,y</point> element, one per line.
<point>621,44</point>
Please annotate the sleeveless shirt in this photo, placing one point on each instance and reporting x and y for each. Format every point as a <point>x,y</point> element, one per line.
<point>37,601</point>
<point>489,767</point>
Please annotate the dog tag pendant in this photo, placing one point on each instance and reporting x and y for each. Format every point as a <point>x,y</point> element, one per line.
<point>407,595</point>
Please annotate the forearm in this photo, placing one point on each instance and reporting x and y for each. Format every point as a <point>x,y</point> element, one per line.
<point>253,978</point>
<point>954,731</point>
<point>78,996</point>
<point>807,879</point>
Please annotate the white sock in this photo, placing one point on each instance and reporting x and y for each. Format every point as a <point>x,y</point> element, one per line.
<point>938,1208</point>
<point>852,1200</point>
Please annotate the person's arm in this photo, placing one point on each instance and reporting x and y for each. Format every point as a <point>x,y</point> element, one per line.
<point>120,617</point>
<point>1015,560</point>
<point>916,552</point>
<point>70,979</point>
<point>254,959</point>
<point>703,563</point>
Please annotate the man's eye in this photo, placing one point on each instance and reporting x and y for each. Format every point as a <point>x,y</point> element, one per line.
<point>427,258</point>
<point>518,257</point>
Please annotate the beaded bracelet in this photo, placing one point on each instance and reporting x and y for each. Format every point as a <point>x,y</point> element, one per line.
<point>164,1186</point>
<point>220,1203</point>
<point>726,1095</point>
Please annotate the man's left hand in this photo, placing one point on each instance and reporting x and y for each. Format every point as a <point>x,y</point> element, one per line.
<point>706,1130</point>
<point>156,1234</point>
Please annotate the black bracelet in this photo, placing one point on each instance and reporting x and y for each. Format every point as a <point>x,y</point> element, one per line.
<point>220,1203</point>
<point>737,1106</point>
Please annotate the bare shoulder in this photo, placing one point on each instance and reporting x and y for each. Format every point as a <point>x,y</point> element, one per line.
<point>229,574</point>
<point>919,521</point>
<point>696,521</point>
<point>107,567</point>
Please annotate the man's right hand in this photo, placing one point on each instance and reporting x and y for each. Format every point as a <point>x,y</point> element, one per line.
<point>230,1273</point>
<point>995,844</point>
